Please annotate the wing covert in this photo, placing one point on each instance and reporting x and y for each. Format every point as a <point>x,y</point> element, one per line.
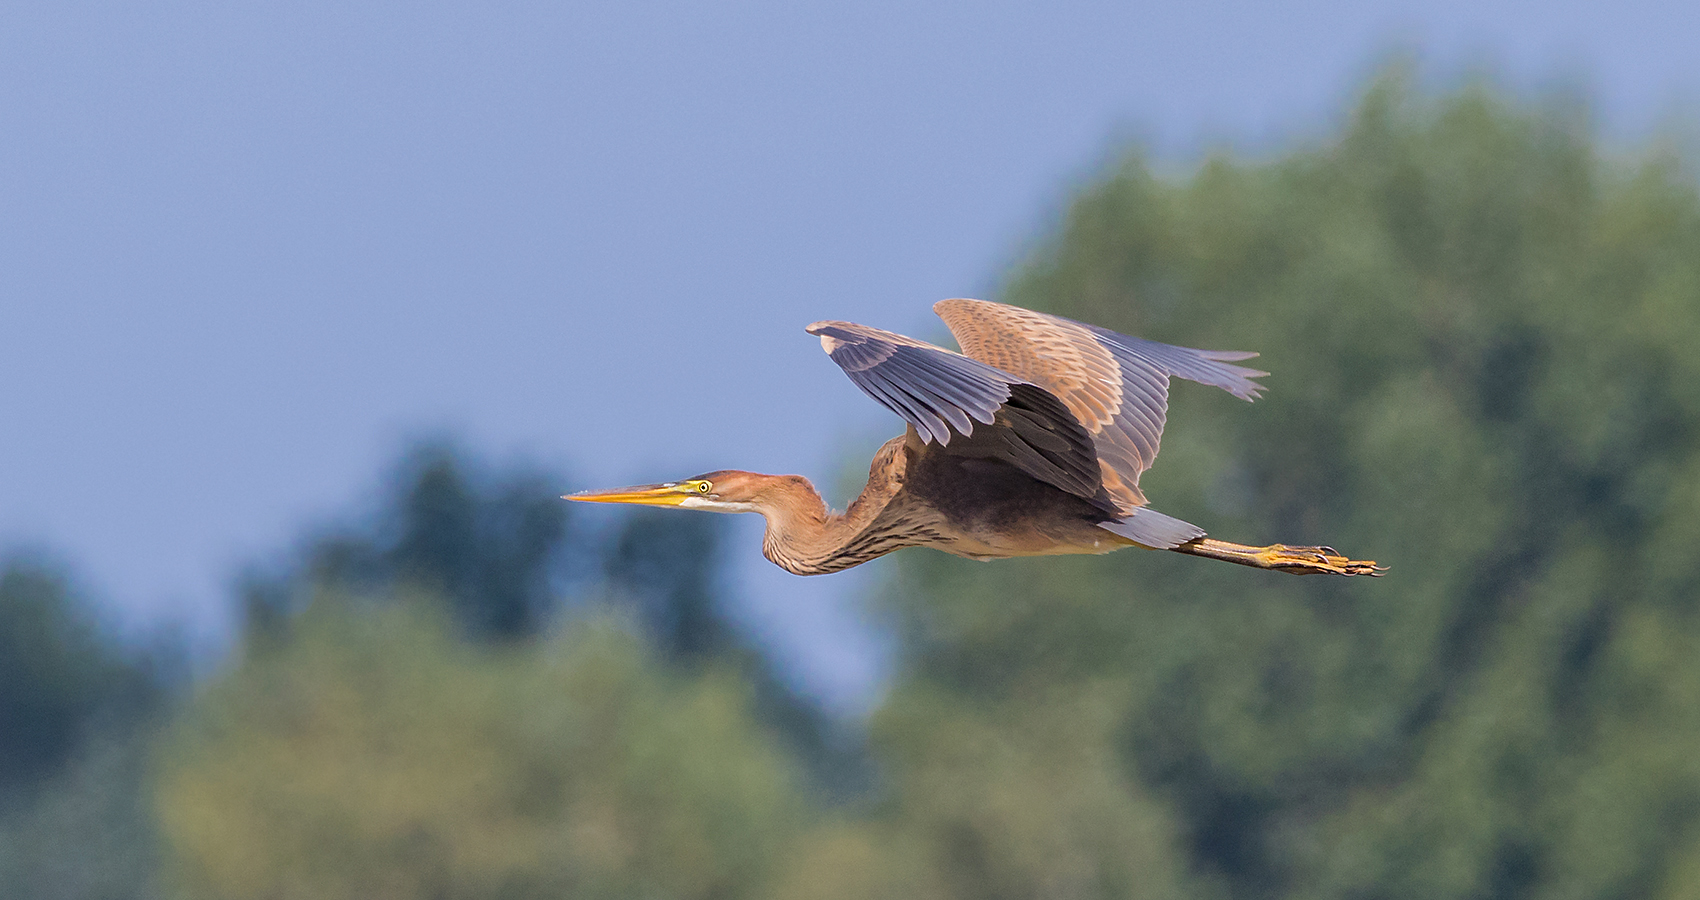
<point>1116,385</point>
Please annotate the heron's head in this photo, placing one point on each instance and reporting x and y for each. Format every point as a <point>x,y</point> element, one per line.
<point>727,491</point>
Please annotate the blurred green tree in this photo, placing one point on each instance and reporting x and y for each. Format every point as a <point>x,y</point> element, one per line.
<point>669,570</point>
<point>372,755</point>
<point>1483,331</point>
<point>87,830</point>
<point>440,743</point>
<point>668,567</point>
<point>497,543</point>
<point>494,545</point>
<point>57,674</point>
<point>76,708</point>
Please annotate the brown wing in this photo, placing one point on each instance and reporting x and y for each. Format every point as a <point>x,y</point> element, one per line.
<point>1116,385</point>
<point>988,412</point>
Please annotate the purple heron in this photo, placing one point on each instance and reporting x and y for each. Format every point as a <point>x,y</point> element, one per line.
<point>1029,442</point>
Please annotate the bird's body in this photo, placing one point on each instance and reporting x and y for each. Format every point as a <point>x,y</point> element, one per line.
<point>979,509</point>
<point>1029,443</point>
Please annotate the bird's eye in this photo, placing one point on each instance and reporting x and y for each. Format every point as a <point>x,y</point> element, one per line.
<point>703,487</point>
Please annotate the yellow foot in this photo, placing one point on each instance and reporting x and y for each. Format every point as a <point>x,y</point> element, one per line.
<point>1315,561</point>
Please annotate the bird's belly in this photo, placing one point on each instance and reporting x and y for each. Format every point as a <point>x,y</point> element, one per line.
<point>985,509</point>
<point>982,545</point>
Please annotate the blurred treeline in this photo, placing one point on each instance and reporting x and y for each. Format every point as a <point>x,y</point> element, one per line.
<point>466,693</point>
<point>1482,327</point>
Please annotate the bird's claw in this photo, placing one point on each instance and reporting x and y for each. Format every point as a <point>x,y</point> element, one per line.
<point>1317,561</point>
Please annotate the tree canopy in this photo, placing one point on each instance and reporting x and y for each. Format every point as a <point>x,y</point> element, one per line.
<point>376,756</point>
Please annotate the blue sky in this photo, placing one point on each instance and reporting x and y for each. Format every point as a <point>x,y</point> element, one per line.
<point>247,250</point>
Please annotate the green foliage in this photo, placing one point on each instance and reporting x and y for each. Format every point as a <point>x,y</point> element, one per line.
<point>56,674</point>
<point>492,544</point>
<point>374,756</point>
<point>1482,333</point>
<point>75,710</point>
<point>87,831</point>
<point>588,765</point>
<point>1027,799</point>
<point>497,545</point>
<point>667,566</point>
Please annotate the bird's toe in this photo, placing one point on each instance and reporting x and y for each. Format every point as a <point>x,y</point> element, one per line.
<point>1318,561</point>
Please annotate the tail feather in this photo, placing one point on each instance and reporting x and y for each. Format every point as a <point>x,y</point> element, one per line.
<point>1150,528</point>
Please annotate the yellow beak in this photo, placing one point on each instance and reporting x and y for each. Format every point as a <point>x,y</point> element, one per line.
<point>670,494</point>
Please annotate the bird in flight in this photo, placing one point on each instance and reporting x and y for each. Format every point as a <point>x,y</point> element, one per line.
<point>1030,442</point>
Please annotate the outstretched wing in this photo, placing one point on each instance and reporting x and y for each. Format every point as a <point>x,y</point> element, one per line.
<point>1116,385</point>
<point>968,406</point>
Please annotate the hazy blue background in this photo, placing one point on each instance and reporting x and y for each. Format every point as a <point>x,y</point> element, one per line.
<point>248,250</point>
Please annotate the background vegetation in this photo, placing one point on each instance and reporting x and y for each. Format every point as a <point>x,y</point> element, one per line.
<point>1482,328</point>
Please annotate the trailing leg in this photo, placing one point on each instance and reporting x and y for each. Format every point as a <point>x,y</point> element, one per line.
<point>1294,560</point>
